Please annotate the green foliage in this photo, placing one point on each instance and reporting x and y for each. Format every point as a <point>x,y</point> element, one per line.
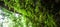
<point>32,16</point>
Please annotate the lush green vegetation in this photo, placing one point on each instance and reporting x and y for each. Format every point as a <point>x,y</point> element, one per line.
<point>32,13</point>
